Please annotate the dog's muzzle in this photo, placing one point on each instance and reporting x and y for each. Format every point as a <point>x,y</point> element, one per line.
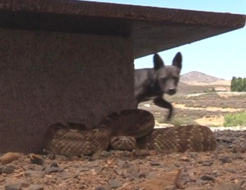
<point>171,91</point>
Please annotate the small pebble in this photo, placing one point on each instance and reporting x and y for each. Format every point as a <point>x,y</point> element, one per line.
<point>153,163</point>
<point>8,169</point>
<point>114,183</point>
<point>51,170</point>
<point>36,187</point>
<point>54,164</point>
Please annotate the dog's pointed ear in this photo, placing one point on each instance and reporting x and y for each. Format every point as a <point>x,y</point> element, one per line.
<point>177,60</point>
<point>158,63</point>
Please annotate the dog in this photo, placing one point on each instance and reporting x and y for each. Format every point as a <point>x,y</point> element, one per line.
<point>152,84</point>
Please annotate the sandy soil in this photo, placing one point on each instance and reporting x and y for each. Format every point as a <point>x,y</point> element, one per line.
<point>182,106</point>
<point>214,121</point>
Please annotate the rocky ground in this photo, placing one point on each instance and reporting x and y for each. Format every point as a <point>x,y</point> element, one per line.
<point>223,169</point>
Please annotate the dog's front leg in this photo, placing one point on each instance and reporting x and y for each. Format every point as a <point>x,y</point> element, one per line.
<point>159,101</point>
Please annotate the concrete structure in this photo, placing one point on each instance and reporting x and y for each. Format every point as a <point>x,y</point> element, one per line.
<point>73,61</point>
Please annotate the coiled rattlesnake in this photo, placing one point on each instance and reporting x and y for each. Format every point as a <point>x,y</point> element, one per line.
<point>126,130</point>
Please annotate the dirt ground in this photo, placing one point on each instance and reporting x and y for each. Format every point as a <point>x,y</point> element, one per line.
<point>183,106</point>
<point>206,108</point>
<point>217,120</point>
<point>222,169</point>
<point>212,121</point>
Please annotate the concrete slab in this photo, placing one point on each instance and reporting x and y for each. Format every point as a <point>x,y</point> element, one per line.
<point>151,29</point>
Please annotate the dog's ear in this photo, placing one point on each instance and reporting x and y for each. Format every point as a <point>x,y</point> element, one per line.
<point>158,63</point>
<point>177,60</point>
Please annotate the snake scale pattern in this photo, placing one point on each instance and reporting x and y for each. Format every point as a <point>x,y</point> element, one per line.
<point>127,130</point>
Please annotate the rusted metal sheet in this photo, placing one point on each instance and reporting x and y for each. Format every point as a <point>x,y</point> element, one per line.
<point>147,25</point>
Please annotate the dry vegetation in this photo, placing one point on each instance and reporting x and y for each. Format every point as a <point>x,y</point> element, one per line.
<point>207,108</point>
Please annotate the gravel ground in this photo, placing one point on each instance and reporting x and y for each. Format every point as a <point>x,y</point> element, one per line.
<point>222,169</point>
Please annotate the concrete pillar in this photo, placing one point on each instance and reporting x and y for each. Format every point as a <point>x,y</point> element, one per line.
<point>49,77</point>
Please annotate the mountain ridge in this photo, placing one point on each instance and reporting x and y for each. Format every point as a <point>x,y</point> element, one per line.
<point>199,77</point>
<point>198,82</point>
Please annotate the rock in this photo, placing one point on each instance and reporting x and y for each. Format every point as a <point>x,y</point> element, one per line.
<point>38,167</point>
<point>33,174</point>
<point>105,154</point>
<point>230,186</point>
<point>151,175</point>
<point>36,159</point>
<point>141,153</point>
<point>95,163</point>
<point>8,169</point>
<point>36,187</point>
<point>132,171</point>
<point>96,170</point>
<point>75,158</point>
<point>118,171</point>
<point>1,168</point>
<point>192,175</point>
<point>34,167</point>
<point>101,188</point>
<point>115,183</point>
<point>193,155</point>
<point>24,183</point>
<point>10,157</point>
<point>164,181</point>
<point>15,186</point>
<point>60,157</point>
<point>152,163</point>
<point>239,149</point>
<point>51,170</point>
<point>185,158</point>
<point>54,164</point>
<point>225,159</point>
<point>231,170</point>
<point>84,169</point>
<point>121,163</point>
<point>207,163</point>
<point>239,156</point>
<point>142,175</point>
<point>63,175</point>
<point>51,156</point>
<point>208,178</point>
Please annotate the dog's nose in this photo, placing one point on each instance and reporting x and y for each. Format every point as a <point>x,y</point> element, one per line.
<point>171,91</point>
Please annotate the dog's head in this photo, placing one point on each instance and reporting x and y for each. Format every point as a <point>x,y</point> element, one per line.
<point>168,76</point>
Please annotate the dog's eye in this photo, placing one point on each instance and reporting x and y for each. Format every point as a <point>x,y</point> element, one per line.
<point>164,79</point>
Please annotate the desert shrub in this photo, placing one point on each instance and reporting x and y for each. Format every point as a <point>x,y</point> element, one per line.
<point>211,126</point>
<point>236,119</point>
<point>161,120</point>
<point>183,121</point>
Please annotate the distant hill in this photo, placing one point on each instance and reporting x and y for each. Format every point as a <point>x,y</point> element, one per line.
<point>199,78</point>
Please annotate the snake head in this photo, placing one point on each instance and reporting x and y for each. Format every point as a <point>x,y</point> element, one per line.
<point>123,142</point>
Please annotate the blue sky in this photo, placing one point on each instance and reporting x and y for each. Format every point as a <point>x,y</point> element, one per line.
<point>222,56</point>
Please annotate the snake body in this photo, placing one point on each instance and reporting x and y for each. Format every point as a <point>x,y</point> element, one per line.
<point>126,130</point>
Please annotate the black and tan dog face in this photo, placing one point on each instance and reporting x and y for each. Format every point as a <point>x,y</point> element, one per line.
<point>168,76</point>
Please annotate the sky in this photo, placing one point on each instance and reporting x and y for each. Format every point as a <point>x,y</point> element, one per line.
<point>223,56</point>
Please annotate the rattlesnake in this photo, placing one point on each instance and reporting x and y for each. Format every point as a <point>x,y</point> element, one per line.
<point>126,130</point>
